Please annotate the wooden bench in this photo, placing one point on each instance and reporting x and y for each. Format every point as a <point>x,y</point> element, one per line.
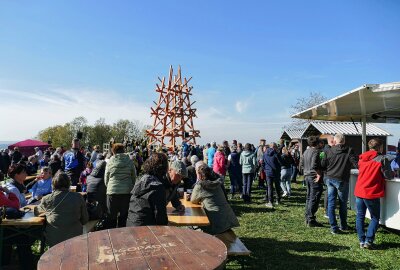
<point>234,246</point>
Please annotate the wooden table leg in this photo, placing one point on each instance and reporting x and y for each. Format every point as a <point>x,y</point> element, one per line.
<point>1,245</point>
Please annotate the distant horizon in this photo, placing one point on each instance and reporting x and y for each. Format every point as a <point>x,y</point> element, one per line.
<point>392,140</point>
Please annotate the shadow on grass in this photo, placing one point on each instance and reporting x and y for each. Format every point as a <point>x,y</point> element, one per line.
<point>245,209</point>
<point>387,245</point>
<point>387,230</point>
<point>272,254</point>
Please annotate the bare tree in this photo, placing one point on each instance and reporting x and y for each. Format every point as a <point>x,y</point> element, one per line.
<point>304,103</point>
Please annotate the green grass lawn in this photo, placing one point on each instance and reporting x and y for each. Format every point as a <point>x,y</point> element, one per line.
<point>278,238</point>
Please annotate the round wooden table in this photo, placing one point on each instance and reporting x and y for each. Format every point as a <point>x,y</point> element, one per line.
<point>147,247</point>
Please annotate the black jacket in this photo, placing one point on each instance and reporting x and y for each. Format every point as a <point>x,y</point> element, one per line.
<point>148,205</point>
<point>6,162</point>
<point>16,157</point>
<point>191,179</point>
<point>287,161</point>
<point>338,161</point>
<point>55,166</point>
<point>171,192</point>
<point>311,162</point>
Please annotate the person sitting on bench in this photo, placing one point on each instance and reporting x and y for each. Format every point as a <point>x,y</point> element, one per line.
<point>219,212</point>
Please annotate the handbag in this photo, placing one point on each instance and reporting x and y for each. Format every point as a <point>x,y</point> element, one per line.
<point>94,210</point>
<point>102,224</point>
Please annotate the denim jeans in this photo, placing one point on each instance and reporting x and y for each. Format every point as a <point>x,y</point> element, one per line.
<point>314,192</point>
<point>269,192</point>
<point>337,188</point>
<point>247,182</point>
<point>295,171</point>
<point>374,208</point>
<point>285,180</point>
<point>236,182</point>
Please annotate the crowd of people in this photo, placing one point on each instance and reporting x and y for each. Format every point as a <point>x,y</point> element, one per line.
<point>330,165</point>
<point>133,189</point>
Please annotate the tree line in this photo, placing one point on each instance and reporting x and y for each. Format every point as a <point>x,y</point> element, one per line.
<point>97,134</point>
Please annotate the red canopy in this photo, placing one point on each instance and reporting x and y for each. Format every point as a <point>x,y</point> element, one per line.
<point>27,147</point>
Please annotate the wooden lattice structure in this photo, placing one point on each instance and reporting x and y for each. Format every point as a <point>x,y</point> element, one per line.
<point>173,113</point>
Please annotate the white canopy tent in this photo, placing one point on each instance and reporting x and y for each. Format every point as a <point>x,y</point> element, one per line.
<point>375,103</point>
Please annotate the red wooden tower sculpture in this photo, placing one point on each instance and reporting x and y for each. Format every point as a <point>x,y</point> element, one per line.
<point>173,113</point>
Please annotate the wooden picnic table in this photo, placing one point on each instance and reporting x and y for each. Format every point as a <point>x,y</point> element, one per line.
<point>145,247</point>
<point>194,215</point>
<point>28,225</point>
<point>28,219</point>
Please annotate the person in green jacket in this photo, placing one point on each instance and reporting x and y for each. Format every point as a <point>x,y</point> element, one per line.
<point>248,162</point>
<point>120,177</point>
<point>209,193</point>
<point>65,211</point>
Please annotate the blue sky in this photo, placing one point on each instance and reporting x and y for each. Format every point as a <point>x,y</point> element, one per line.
<point>249,60</point>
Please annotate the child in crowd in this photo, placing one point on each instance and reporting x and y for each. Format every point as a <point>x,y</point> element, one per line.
<point>85,174</point>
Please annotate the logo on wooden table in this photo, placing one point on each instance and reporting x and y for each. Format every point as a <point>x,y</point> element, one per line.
<point>107,254</point>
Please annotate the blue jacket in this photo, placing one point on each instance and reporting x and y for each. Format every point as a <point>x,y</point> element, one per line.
<point>73,161</point>
<point>41,188</point>
<point>272,163</point>
<point>210,153</point>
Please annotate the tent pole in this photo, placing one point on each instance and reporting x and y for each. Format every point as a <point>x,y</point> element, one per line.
<point>363,120</point>
<point>364,134</point>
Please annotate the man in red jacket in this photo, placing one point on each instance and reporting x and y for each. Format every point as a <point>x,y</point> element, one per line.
<point>370,187</point>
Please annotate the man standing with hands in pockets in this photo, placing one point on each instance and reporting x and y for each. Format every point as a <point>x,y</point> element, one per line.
<point>311,165</point>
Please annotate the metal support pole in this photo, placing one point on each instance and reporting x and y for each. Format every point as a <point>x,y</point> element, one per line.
<point>364,134</point>
<point>363,120</point>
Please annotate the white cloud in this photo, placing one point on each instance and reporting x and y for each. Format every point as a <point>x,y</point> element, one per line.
<point>25,113</point>
<point>241,106</point>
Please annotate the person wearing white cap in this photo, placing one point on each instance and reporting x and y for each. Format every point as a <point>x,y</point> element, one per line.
<point>176,172</point>
<point>38,153</point>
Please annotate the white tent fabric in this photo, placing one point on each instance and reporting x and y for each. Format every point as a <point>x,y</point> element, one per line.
<point>378,103</point>
<point>375,103</point>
